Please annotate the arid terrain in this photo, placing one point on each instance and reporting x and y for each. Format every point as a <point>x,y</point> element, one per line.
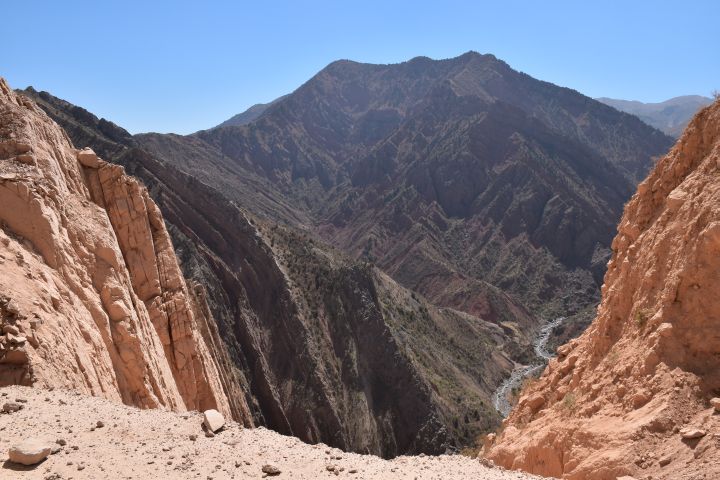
<point>363,278</point>
<point>142,444</point>
<point>637,393</point>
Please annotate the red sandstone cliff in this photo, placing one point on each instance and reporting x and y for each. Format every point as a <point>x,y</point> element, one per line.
<point>635,394</point>
<point>91,294</point>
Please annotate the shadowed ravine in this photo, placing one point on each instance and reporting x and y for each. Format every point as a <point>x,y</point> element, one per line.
<point>501,397</point>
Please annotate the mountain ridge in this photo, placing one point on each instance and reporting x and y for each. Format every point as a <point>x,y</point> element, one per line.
<point>670,116</point>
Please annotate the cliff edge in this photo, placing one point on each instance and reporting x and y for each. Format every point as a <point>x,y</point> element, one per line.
<point>636,393</point>
<point>91,294</point>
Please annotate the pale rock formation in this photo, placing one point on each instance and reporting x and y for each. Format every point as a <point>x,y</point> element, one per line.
<point>30,451</point>
<point>213,420</point>
<point>633,395</point>
<point>91,294</point>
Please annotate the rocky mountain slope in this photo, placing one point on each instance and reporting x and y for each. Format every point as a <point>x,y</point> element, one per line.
<point>454,176</point>
<point>91,294</point>
<point>670,116</point>
<point>489,193</point>
<point>636,394</point>
<point>322,347</point>
<point>249,115</point>
<point>140,444</point>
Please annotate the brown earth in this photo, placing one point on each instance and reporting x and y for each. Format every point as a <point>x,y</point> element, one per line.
<point>623,398</point>
<point>141,444</point>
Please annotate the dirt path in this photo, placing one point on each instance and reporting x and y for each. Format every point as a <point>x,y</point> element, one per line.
<point>152,444</point>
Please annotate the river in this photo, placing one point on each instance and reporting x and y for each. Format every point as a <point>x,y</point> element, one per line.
<point>501,397</point>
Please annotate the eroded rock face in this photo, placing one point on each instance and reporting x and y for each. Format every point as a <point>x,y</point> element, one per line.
<point>637,388</point>
<point>92,297</point>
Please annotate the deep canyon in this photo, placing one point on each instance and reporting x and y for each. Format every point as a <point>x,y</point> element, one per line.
<point>366,261</point>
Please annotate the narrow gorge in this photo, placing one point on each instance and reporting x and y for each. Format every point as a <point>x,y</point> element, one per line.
<point>638,394</point>
<point>252,318</point>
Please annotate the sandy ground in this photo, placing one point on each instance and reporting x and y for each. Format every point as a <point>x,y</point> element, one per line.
<point>153,444</point>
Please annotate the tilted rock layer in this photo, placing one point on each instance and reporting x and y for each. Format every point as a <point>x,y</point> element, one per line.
<point>91,294</point>
<point>634,394</point>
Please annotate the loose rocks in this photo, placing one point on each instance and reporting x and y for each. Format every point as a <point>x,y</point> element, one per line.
<point>213,420</point>
<point>30,451</point>
<point>271,470</point>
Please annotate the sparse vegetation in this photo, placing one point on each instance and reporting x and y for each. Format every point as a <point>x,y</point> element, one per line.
<point>641,317</point>
<point>569,402</point>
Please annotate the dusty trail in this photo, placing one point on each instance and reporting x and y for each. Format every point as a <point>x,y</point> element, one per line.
<point>155,444</point>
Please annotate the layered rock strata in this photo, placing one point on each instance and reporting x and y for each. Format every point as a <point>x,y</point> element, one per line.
<point>92,295</point>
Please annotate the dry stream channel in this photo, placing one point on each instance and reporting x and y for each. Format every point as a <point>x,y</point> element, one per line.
<point>503,395</point>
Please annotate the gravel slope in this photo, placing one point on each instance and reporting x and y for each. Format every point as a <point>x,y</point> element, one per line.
<point>135,443</point>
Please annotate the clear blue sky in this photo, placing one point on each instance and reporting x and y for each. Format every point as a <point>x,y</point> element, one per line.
<point>176,66</point>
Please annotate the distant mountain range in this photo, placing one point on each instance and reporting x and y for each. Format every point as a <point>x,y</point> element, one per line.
<point>670,116</point>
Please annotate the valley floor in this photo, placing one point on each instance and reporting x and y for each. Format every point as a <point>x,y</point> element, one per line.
<point>143,444</point>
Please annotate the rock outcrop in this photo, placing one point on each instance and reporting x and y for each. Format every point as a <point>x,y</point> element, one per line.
<point>634,395</point>
<point>92,296</point>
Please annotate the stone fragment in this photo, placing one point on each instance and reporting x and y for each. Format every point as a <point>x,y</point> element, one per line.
<point>640,399</point>
<point>88,158</point>
<point>665,329</point>
<point>486,462</point>
<point>29,452</point>
<point>563,350</point>
<point>271,470</point>
<point>26,158</point>
<point>715,402</point>
<point>11,407</point>
<point>16,340</point>
<point>12,308</point>
<point>11,329</point>
<point>213,420</point>
<point>535,402</point>
<point>689,433</point>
